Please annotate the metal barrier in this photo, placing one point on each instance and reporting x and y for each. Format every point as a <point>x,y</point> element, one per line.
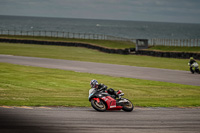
<point>63,35</point>
<point>152,42</point>
<point>175,42</point>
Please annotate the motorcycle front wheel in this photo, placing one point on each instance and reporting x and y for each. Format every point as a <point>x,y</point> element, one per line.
<point>128,106</point>
<point>98,106</point>
<point>192,70</point>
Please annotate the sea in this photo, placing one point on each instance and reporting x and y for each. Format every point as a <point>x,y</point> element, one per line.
<point>117,28</point>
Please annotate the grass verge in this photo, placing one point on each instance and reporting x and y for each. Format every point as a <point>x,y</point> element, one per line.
<point>103,43</point>
<point>84,54</point>
<point>35,86</point>
<point>176,49</point>
<point>106,43</point>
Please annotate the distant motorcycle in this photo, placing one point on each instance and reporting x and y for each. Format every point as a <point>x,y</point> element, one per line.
<point>194,68</point>
<point>102,101</point>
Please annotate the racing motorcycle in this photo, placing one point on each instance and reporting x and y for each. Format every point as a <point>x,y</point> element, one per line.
<point>195,67</point>
<point>102,101</point>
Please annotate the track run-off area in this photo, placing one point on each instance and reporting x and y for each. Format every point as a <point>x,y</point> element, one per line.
<point>165,75</point>
<point>87,120</point>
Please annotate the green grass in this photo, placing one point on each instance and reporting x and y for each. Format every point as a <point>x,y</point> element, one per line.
<point>35,86</point>
<point>83,54</point>
<point>106,43</point>
<point>103,43</point>
<point>176,49</point>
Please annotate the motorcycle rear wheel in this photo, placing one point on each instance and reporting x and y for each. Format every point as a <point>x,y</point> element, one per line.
<point>128,107</point>
<point>197,70</point>
<point>98,106</point>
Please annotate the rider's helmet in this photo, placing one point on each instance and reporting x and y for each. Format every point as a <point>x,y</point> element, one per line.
<point>94,83</point>
<point>191,58</point>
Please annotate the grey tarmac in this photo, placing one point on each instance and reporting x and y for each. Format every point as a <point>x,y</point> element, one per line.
<point>165,75</point>
<point>87,120</point>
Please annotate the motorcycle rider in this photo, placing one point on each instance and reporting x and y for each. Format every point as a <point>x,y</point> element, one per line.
<point>190,64</point>
<point>101,87</point>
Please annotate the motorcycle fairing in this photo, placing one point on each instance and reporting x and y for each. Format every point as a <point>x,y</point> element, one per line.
<point>97,99</point>
<point>96,94</point>
<point>111,103</point>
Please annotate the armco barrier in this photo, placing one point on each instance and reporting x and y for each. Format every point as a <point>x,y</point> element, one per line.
<point>181,55</point>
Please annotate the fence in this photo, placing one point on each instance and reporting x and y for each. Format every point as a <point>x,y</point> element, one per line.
<point>175,42</point>
<point>62,34</point>
<point>152,42</point>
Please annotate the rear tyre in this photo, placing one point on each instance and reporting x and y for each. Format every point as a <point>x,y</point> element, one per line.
<point>197,70</point>
<point>98,106</point>
<point>128,106</point>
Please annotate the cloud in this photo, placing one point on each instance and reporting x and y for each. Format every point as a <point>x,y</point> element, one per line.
<point>147,10</point>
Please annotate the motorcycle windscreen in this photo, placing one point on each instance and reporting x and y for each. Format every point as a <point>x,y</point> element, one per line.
<point>91,92</point>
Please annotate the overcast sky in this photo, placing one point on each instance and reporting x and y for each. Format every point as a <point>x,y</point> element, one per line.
<point>185,11</point>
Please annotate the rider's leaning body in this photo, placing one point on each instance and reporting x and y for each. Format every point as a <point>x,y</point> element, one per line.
<point>192,60</point>
<point>101,87</point>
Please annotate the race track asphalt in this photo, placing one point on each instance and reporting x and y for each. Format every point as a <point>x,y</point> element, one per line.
<point>87,120</point>
<point>165,75</point>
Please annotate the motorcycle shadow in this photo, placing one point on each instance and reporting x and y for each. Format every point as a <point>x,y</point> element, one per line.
<point>116,111</point>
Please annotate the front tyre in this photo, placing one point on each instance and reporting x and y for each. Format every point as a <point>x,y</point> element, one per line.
<point>191,70</point>
<point>128,106</point>
<point>98,106</point>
